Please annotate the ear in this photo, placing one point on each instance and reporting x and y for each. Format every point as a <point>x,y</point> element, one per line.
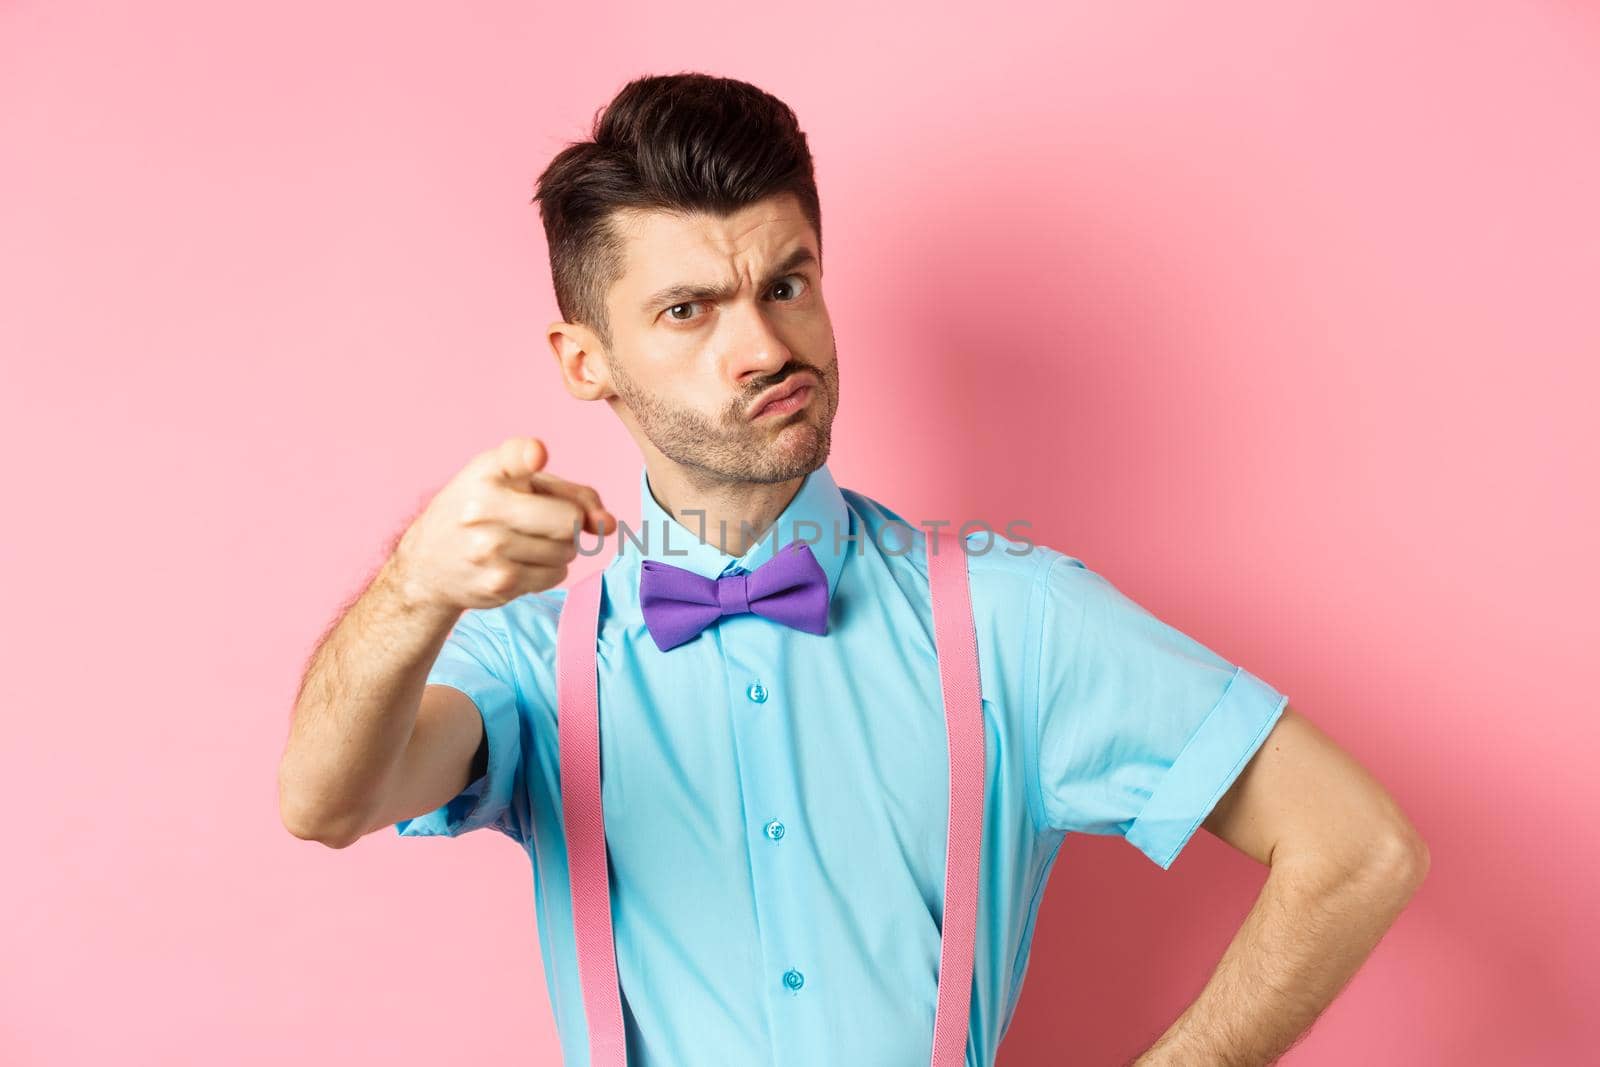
<point>582,360</point>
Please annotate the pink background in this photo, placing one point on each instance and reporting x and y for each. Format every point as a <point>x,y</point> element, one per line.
<point>1285,317</point>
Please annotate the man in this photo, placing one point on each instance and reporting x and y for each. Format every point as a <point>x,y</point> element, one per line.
<point>775,792</point>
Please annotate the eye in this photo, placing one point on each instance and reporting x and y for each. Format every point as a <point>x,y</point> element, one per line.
<point>675,307</point>
<point>783,284</point>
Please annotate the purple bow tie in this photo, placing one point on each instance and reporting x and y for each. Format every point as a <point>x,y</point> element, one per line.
<point>790,588</point>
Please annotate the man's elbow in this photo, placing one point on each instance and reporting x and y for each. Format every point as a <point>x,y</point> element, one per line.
<point>1392,861</point>
<point>1410,856</point>
<point>1397,862</point>
<point>310,822</point>
<point>325,832</point>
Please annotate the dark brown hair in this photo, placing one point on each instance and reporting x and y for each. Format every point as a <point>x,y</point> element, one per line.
<point>674,142</point>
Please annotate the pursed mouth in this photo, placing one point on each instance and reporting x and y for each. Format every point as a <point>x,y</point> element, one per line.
<point>798,389</point>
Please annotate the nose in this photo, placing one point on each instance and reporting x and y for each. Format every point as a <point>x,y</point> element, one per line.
<point>756,352</point>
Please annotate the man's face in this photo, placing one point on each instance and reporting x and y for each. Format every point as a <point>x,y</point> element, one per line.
<point>709,314</point>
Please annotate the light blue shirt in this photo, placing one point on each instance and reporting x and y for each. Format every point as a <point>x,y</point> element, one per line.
<point>776,801</point>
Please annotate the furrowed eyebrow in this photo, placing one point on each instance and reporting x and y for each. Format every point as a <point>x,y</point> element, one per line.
<point>682,294</point>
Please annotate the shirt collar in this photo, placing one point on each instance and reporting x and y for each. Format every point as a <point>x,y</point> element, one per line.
<point>817,514</point>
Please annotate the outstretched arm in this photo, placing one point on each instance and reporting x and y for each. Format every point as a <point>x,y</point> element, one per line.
<point>1344,862</point>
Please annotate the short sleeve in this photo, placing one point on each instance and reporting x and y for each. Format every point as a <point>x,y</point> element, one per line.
<point>1140,728</point>
<point>475,660</point>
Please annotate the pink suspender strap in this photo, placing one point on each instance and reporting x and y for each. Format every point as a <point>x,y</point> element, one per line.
<point>956,643</point>
<point>578,742</point>
<point>577,685</point>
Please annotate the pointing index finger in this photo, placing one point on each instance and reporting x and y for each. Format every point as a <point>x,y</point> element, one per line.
<point>597,519</point>
<point>518,457</point>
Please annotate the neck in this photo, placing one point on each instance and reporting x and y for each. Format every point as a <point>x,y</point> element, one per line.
<point>728,515</point>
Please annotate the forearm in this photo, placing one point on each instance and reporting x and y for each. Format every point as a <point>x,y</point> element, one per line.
<point>1310,930</point>
<point>356,708</point>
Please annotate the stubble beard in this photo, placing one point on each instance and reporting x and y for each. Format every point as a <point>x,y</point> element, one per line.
<point>736,449</point>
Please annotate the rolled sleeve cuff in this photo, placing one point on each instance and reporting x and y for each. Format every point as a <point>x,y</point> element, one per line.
<point>486,801</point>
<point>1231,733</point>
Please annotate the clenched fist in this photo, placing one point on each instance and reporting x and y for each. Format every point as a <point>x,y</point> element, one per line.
<point>502,527</point>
